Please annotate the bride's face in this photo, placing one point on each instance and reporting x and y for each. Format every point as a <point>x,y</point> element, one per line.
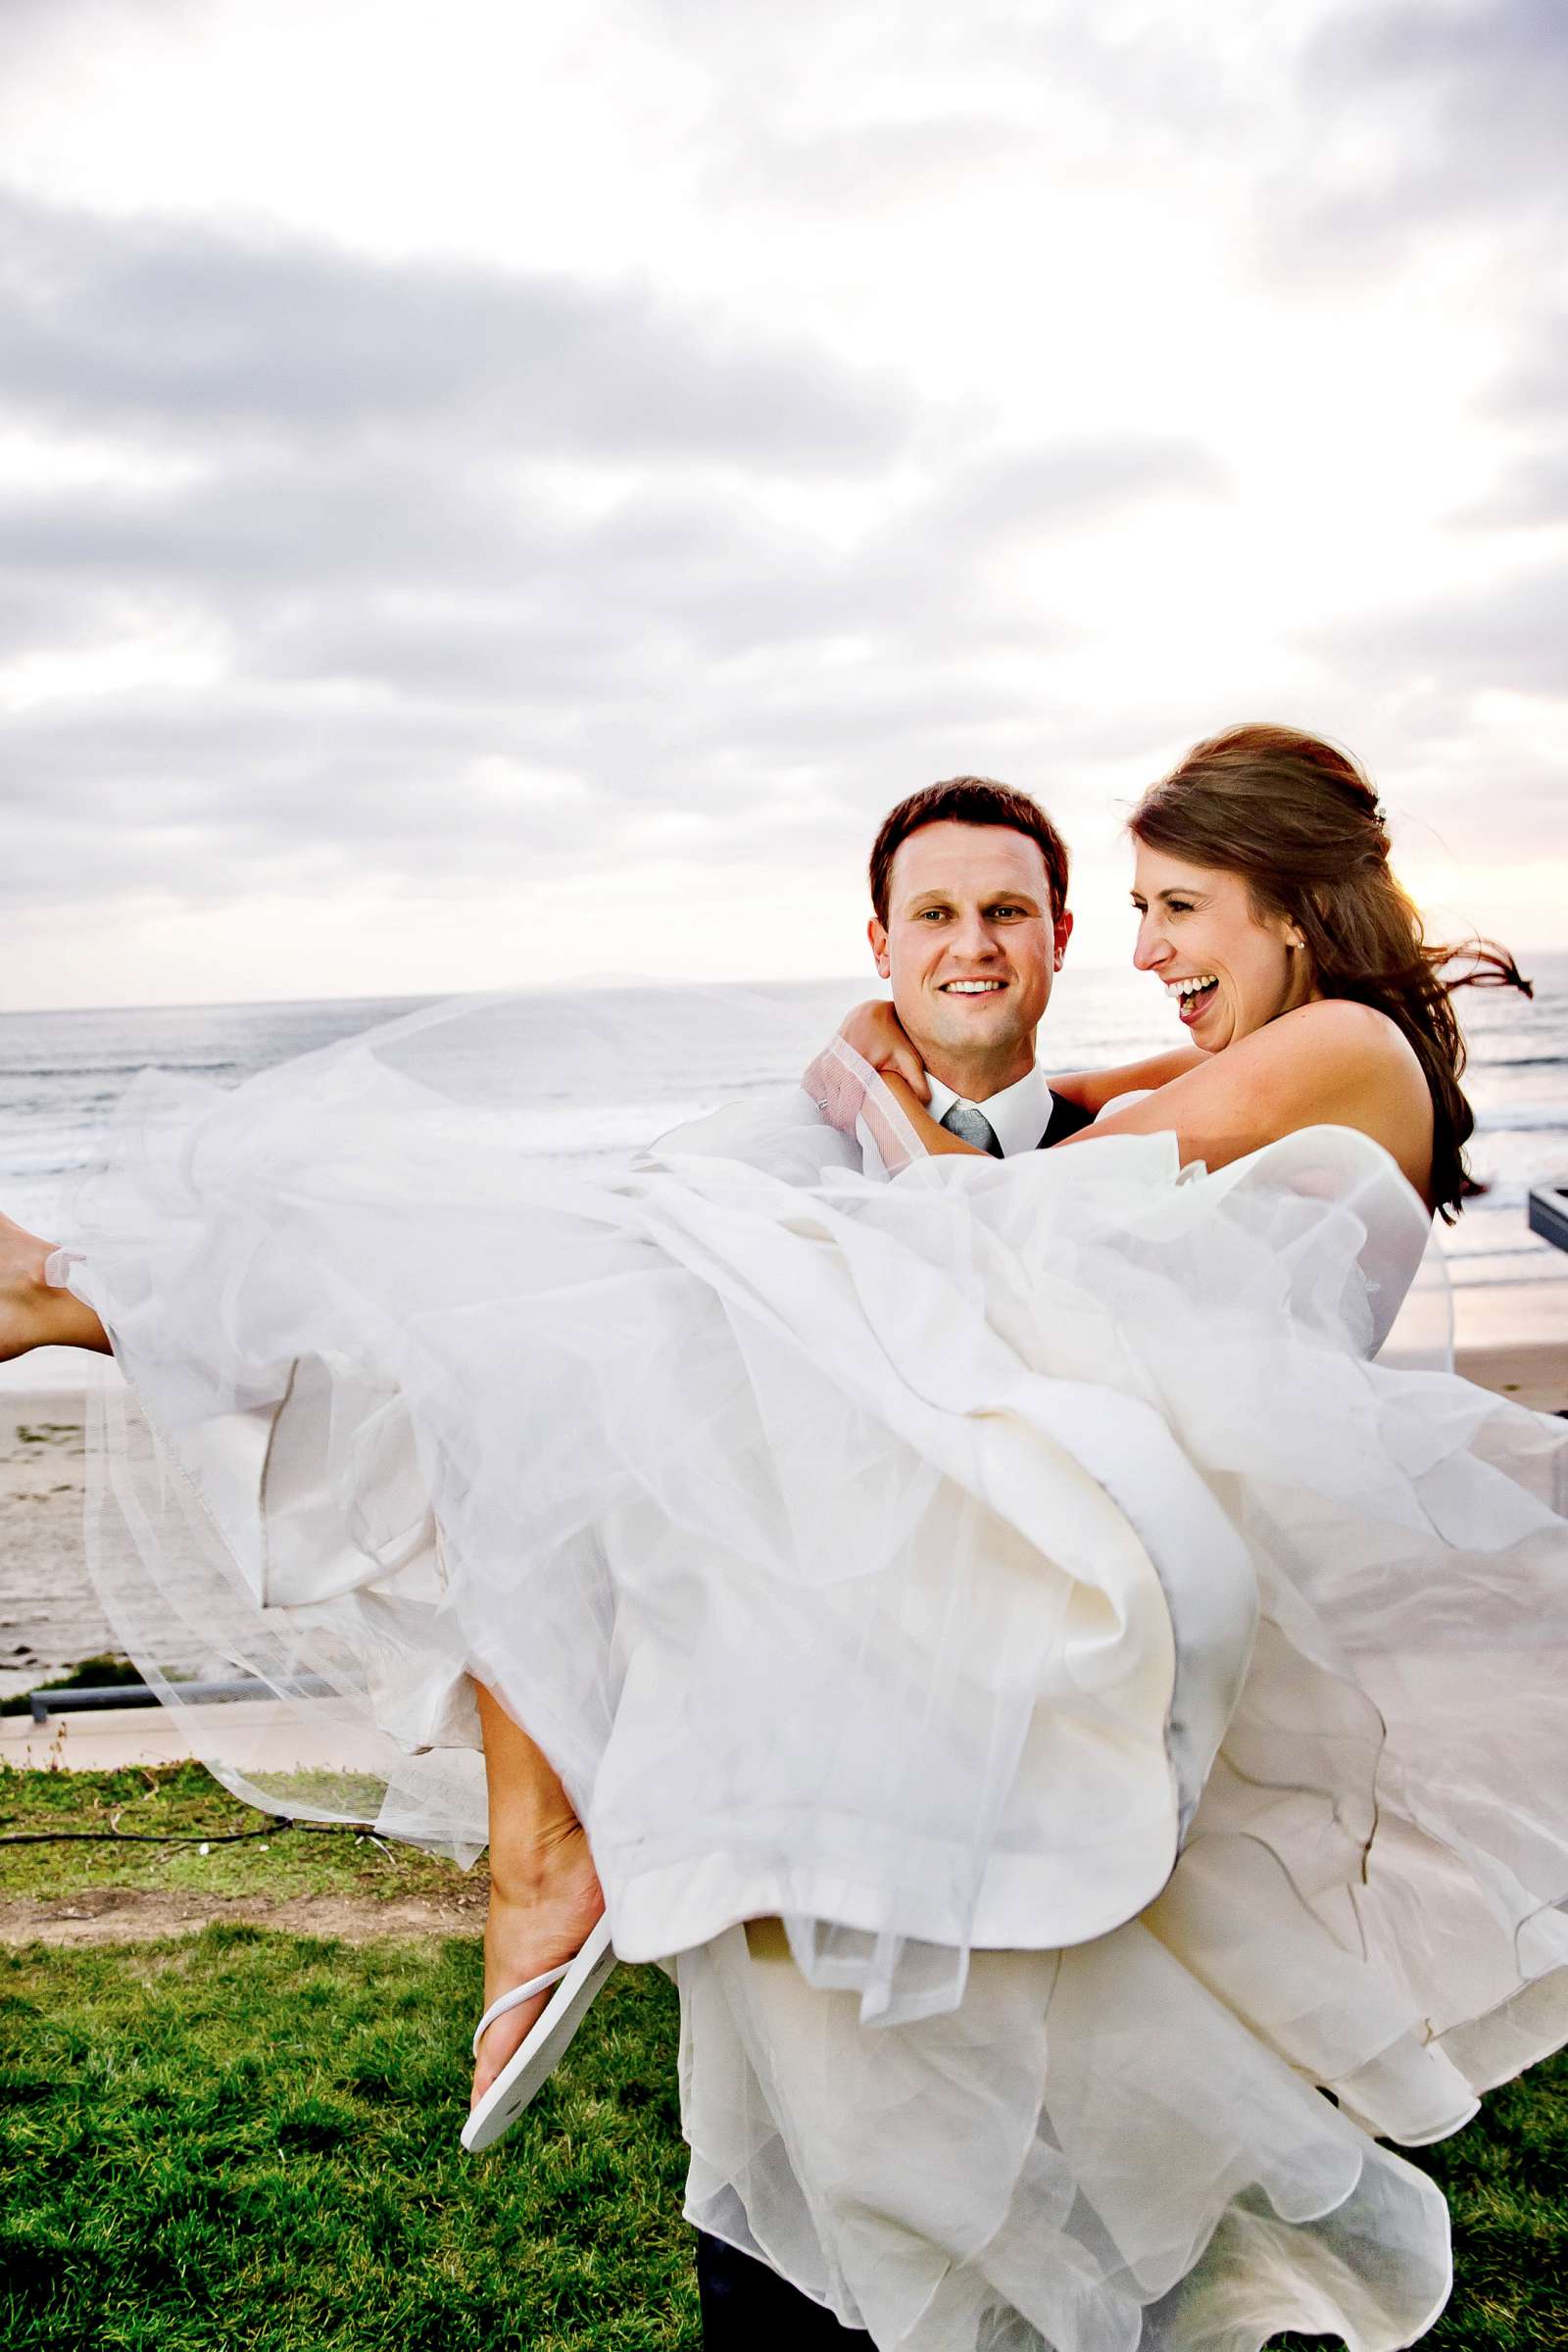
<point>1227,970</point>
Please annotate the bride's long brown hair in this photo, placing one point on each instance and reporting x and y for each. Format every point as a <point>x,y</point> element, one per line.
<point>1299,820</point>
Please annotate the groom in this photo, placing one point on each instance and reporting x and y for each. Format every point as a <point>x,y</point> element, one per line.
<point>969,925</point>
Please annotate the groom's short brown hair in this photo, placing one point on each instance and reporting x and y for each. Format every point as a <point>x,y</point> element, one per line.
<point>967,801</point>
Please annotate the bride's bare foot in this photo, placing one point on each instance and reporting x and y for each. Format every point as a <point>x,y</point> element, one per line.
<point>25,1295</point>
<point>32,1314</point>
<point>543,1905</point>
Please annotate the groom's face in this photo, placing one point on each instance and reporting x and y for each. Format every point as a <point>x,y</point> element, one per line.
<point>971,946</point>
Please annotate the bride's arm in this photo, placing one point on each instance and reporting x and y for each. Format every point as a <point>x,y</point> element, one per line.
<point>1330,1063</point>
<point>882,1104</point>
<point>874,1031</point>
<point>877,1048</point>
<point>1092,1090</point>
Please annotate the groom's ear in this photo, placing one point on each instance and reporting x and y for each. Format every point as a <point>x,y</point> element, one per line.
<point>1063,931</point>
<point>876,933</point>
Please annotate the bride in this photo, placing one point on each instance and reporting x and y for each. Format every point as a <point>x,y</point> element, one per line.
<point>1085,1734</point>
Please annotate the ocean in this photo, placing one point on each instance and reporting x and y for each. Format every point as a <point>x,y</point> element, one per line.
<point>61,1074</point>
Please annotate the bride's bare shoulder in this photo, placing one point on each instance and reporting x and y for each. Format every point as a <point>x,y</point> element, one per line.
<point>1328,1064</point>
<point>1356,1037</point>
<point>1331,1059</point>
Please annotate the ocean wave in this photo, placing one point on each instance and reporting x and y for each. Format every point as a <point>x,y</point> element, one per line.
<point>117,1074</point>
<point>1524,1118</point>
<point>1515,1062</point>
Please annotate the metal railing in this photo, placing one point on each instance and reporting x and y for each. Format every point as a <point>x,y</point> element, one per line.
<point>87,1697</point>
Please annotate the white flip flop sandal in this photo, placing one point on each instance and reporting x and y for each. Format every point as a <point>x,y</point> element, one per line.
<point>530,2066</point>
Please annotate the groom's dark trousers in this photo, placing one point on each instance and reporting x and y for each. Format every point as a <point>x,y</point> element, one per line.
<point>748,2308</point>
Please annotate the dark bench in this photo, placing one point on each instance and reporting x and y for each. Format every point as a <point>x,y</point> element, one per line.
<point>1548,1212</point>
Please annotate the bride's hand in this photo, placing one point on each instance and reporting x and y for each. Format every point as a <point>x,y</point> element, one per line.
<point>836,1080</point>
<point>880,1037</point>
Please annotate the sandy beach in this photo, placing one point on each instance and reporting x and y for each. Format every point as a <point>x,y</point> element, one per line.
<point>1511,1337</point>
<point>49,1615</point>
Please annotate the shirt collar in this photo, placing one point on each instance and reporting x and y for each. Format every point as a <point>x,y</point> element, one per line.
<point>1019,1116</point>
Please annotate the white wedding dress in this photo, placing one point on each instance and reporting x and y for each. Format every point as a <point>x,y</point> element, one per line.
<point>1145,1712</point>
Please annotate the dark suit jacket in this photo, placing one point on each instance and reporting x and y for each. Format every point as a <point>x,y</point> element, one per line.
<point>1065,1119</point>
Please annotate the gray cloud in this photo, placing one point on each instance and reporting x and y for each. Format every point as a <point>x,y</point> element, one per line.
<point>400,555</point>
<point>1533,389</point>
<point>414,561</point>
<point>1531,492</point>
<point>131,793</point>
<point>248,528</point>
<point>438,659</point>
<point>1435,653</point>
<point>1087,478</point>
<point>1494,74</point>
<point>1529,402</point>
<point>1415,117</point>
<point>504,572</point>
<point>170,332</point>
<point>128,799</point>
<point>1158,85</point>
<point>30,28</point>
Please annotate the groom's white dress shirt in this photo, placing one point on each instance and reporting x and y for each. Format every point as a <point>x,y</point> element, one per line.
<point>1019,1116</point>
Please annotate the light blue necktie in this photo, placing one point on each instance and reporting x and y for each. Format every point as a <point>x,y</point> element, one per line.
<point>971,1126</point>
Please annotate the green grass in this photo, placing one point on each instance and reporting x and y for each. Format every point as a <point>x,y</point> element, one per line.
<point>248,2138</point>
<point>1506,2181</point>
<point>183,1800</point>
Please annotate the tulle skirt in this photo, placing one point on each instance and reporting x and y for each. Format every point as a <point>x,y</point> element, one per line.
<point>1091,1739</point>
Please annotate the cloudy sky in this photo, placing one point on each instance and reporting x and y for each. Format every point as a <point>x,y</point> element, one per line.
<point>496,493</point>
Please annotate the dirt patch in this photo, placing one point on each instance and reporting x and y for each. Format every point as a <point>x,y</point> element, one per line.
<point>103,1915</point>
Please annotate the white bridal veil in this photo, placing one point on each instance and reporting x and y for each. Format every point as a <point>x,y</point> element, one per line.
<point>260,1503</point>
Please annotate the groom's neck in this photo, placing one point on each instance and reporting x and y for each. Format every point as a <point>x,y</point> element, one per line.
<point>976,1076</point>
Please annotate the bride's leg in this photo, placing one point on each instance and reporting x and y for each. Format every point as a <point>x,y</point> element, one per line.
<point>32,1313</point>
<point>544,1890</point>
